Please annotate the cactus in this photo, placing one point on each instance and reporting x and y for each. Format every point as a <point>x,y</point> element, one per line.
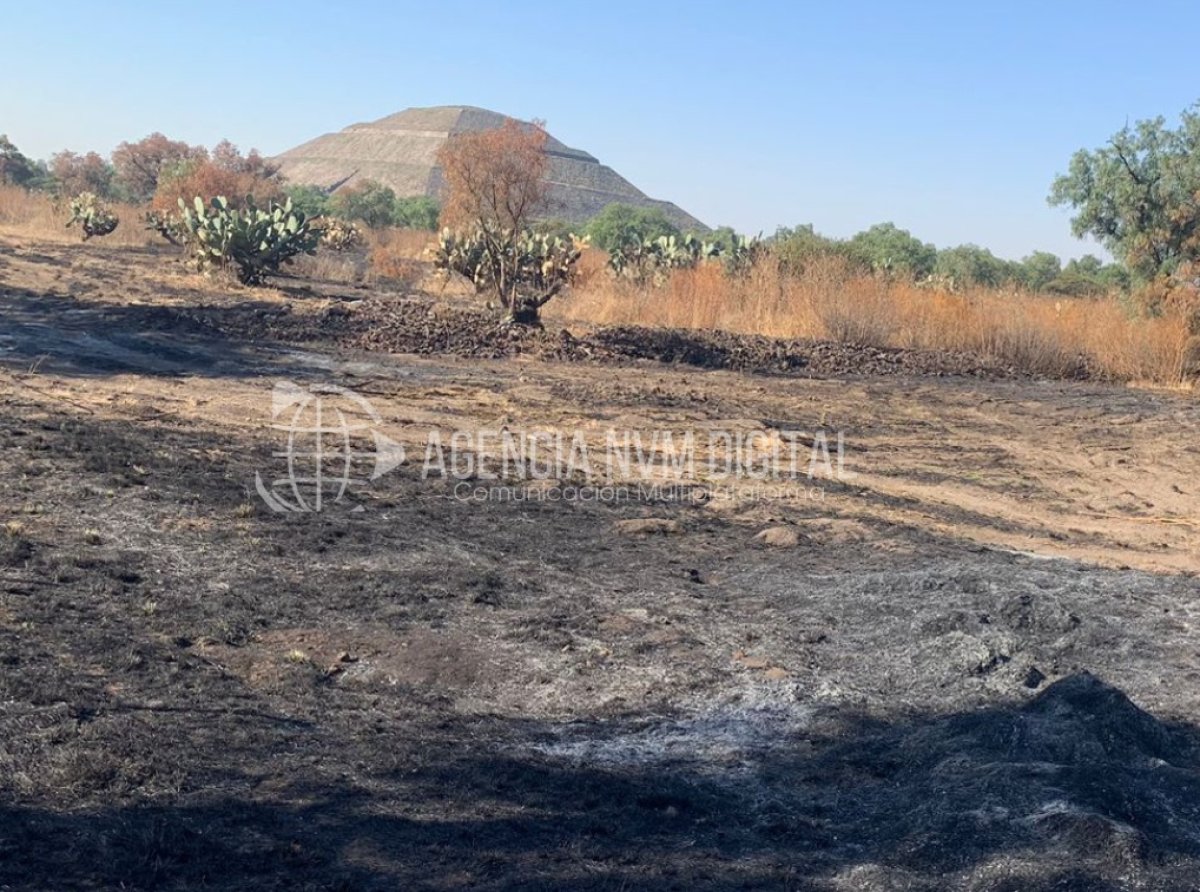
<point>92,215</point>
<point>463,253</point>
<point>743,253</point>
<point>530,267</point>
<point>338,234</point>
<point>651,260</point>
<point>168,226</point>
<point>257,241</point>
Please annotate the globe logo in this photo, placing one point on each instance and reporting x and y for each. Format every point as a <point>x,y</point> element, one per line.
<point>322,425</point>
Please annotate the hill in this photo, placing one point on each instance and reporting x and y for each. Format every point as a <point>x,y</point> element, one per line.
<point>401,151</point>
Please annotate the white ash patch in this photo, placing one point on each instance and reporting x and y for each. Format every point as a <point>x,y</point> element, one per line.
<point>728,737</point>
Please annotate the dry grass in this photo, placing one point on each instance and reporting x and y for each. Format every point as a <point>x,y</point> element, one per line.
<point>409,244</point>
<point>37,215</point>
<point>1043,334</point>
<point>395,256</point>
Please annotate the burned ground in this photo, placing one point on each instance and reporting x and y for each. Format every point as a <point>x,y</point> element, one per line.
<point>973,665</point>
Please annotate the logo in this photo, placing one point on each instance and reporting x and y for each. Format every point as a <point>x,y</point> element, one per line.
<point>333,444</point>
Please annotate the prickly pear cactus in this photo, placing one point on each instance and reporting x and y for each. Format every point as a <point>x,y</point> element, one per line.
<point>650,261</point>
<point>91,215</point>
<point>525,268</point>
<point>743,255</point>
<point>254,240</point>
<point>339,235</point>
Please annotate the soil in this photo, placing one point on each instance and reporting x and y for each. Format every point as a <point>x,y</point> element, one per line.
<point>971,665</point>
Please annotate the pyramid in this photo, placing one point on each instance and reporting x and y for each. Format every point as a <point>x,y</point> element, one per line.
<point>400,151</point>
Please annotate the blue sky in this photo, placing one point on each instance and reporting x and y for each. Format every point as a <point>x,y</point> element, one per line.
<point>950,119</point>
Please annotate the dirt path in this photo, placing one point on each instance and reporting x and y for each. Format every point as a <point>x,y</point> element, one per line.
<point>922,688</point>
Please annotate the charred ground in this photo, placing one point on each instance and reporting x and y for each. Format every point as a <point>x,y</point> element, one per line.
<point>933,685</point>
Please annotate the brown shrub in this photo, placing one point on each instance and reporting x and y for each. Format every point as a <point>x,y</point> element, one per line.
<point>81,173</point>
<point>138,165</point>
<point>226,173</point>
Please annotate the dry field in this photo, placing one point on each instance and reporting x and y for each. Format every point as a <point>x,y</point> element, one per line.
<point>970,662</point>
<point>1053,336</point>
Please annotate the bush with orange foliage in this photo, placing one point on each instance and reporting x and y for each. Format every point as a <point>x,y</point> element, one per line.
<point>74,173</point>
<point>138,165</point>
<point>225,172</point>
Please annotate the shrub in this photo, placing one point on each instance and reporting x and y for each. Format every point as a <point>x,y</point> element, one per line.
<point>137,166</point>
<point>390,262</point>
<point>312,201</point>
<point>368,202</point>
<point>887,249</point>
<point>15,168</point>
<point>416,212</point>
<point>227,172</point>
<point>619,225</point>
<point>92,216</point>
<point>796,249</point>
<point>257,241</point>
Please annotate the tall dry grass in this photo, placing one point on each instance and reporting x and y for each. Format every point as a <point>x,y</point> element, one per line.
<point>1042,334</point>
<point>38,215</point>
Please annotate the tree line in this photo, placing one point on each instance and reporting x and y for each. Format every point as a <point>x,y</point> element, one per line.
<point>883,249</point>
<point>156,171</point>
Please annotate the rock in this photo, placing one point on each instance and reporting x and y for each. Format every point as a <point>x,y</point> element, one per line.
<point>780,537</point>
<point>646,526</point>
<point>1033,677</point>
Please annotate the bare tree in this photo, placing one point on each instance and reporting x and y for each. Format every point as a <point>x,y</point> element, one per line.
<point>139,164</point>
<point>494,184</point>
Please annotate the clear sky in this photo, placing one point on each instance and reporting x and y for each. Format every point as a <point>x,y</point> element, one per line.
<point>948,118</point>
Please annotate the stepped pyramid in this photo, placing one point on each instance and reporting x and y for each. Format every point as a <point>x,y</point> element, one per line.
<point>401,151</point>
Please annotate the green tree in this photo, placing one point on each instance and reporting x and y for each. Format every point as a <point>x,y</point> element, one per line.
<point>1089,275</point>
<point>1139,195</point>
<point>370,202</point>
<point>1039,269</point>
<point>312,201</point>
<point>968,265</point>
<point>416,212</point>
<point>724,237</point>
<point>619,224</point>
<point>885,248</point>
<point>15,168</point>
<point>798,246</point>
